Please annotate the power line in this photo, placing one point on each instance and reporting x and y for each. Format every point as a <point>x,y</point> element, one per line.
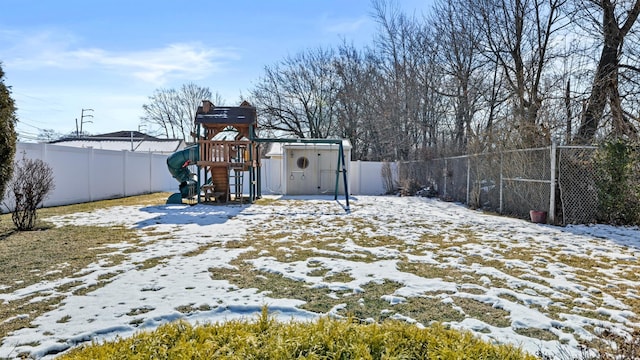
<point>26,123</point>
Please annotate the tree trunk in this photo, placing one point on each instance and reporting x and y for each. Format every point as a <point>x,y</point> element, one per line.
<point>605,82</point>
<point>606,73</point>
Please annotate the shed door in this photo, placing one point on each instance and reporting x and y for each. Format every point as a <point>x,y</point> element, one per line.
<point>327,163</point>
<point>302,172</point>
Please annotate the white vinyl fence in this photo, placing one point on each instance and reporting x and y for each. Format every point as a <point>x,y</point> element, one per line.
<point>86,174</point>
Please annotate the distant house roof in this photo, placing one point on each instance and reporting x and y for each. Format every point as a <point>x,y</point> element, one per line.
<point>124,140</point>
<point>124,134</point>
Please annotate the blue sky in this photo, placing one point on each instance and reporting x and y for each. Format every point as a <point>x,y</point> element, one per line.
<point>62,56</point>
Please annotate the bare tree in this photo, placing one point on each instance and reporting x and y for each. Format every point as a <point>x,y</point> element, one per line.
<point>458,62</point>
<point>519,36</point>
<point>429,108</point>
<point>298,96</point>
<point>159,112</point>
<point>614,20</point>
<point>190,96</point>
<point>354,75</point>
<point>399,100</point>
<point>31,184</point>
<point>173,111</point>
<point>49,135</point>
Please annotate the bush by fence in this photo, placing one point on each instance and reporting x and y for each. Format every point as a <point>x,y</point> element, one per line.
<point>31,183</point>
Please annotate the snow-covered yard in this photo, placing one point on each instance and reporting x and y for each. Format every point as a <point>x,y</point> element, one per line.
<point>508,280</point>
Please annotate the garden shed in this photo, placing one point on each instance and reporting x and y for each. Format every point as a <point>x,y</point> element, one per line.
<point>306,169</point>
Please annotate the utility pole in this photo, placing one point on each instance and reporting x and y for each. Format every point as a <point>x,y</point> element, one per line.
<point>82,116</point>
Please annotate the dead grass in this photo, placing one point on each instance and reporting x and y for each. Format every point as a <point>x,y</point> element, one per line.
<point>485,312</point>
<point>201,249</point>
<point>64,319</point>
<point>343,277</point>
<point>536,333</point>
<point>190,308</point>
<point>432,271</point>
<point>144,200</point>
<point>139,310</point>
<point>18,314</point>
<point>152,262</point>
<point>427,310</point>
<point>50,253</point>
<point>268,201</point>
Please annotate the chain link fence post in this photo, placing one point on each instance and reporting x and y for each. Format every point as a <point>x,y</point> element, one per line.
<point>501,211</point>
<point>552,190</point>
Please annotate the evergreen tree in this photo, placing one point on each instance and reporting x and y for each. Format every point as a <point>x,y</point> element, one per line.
<point>7,133</point>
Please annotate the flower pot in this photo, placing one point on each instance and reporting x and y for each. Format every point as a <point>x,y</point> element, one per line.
<point>538,217</point>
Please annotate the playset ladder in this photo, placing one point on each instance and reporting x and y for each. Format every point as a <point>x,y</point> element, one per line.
<point>236,181</point>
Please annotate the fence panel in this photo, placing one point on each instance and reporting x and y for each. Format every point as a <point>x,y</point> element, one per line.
<point>105,173</point>
<point>526,180</point>
<point>434,174</point>
<point>158,173</point>
<point>457,179</point>
<point>137,173</point>
<point>577,178</point>
<point>484,190</point>
<point>365,178</point>
<point>70,170</point>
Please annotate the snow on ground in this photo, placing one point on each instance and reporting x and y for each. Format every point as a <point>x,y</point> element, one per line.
<point>569,282</point>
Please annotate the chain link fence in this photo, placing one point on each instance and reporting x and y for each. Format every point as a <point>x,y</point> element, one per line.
<point>560,180</point>
<point>526,182</point>
<point>577,181</point>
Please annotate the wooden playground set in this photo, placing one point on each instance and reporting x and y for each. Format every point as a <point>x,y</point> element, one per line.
<point>226,150</point>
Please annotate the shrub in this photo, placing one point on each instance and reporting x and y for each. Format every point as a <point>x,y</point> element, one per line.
<point>610,345</point>
<point>31,183</point>
<point>322,339</point>
<point>7,133</point>
<point>387,178</point>
<point>410,187</point>
<point>618,183</point>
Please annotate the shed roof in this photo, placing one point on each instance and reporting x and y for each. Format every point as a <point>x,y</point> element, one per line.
<point>278,148</point>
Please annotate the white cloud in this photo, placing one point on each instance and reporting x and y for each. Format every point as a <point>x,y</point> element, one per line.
<point>346,26</point>
<point>157,66</point>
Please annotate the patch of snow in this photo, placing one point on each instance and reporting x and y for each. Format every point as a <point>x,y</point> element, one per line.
<point>393,300</point>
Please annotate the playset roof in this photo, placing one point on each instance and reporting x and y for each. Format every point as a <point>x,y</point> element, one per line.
<point>218,115</point>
